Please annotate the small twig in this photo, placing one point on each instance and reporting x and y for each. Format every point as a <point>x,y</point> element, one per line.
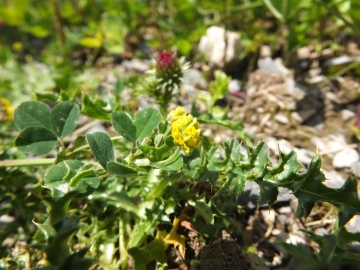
<point>320,222</point>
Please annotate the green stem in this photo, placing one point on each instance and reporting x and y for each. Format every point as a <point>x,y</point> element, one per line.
<point>41,161</point>
<point>75,180</point>
<point>27,162</point>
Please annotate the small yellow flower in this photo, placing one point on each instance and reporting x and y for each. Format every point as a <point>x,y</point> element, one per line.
<point>175,114</point>
<point>17,46</point>
<point>185,130</point>
<point>5,106</point>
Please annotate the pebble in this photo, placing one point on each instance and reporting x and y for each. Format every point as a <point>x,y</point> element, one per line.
<point>304,156</point>
<point>213,46</point>
<point>346,115</point>
<point>302,116</point>
<point>194,78</point>
<point>234,86</point>
<point>303,53</point>
<point>355,168</point>
<point>281,118</point>
<point>334,179</point>
<point>345,158</point>
<point>353,225</point>
<point>265,51</point>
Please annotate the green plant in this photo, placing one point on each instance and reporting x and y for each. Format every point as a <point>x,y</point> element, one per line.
<point>143,178</point>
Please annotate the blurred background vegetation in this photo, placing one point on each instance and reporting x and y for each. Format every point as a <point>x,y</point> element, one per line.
<point>47,44</point>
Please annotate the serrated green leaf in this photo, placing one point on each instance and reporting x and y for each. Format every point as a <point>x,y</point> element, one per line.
<point>118,199</point>
<point>120,169</point>
<point>77,261</point>
<point>145,122</point>
<point>218,160</point>
<point>64,118</point>
<point>159,153</point>
<point>236,183</point>
<point>156,249</point>
<point>268,192</point>
<point>102,147</point>
<point>300,252</point>
<point>97,109</point>
<point>45,228</point>
<point>123,125</point>
<point>203,209</point>
<point>32,114</point>
<point>37,140</point>
<point>71,175</point>
<point>173,163</point>
<point>58,249</point>
<point>344,237</point>
<point>58,206</point>
<point>142,259</point>
<point>235,152</point>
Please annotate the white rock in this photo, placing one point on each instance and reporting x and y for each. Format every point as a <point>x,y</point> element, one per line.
<point>347,115</point>
<point>304,156</point>
<point>355,168</point>
<point>303,53</point>
<point>212,45</point>
<point>268,65</point>
<point>333,179</point>
<point>353,225</point>
<point>234,86</point>
<point>265,51</point>
<point>345,158</point>
<point>302,116</point>
<point>276,145</point>
<point>194,78</point>
<point>281,118</point>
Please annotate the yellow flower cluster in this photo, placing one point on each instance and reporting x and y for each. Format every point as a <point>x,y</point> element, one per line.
<point>185,129</point>
<point>6,108</point>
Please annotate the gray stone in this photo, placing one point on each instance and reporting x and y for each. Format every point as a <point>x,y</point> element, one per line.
<point>136,64</point>
<point>194,78</point>
<point>268,65</point>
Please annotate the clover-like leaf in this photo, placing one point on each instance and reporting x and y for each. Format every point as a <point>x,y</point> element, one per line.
<point>145,122</point>
<point>123,125</point>
<point>64,118</point>
<point>102,147</point>
<point>32,114</point>
<point>173,163</point>
<point>37,140</point>
<point>159,153</point>
<point>72,175</point>
<point>120,169</point>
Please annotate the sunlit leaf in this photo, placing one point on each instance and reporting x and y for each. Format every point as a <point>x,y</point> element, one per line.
<point>146,121</point>
<point>64,118</point>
